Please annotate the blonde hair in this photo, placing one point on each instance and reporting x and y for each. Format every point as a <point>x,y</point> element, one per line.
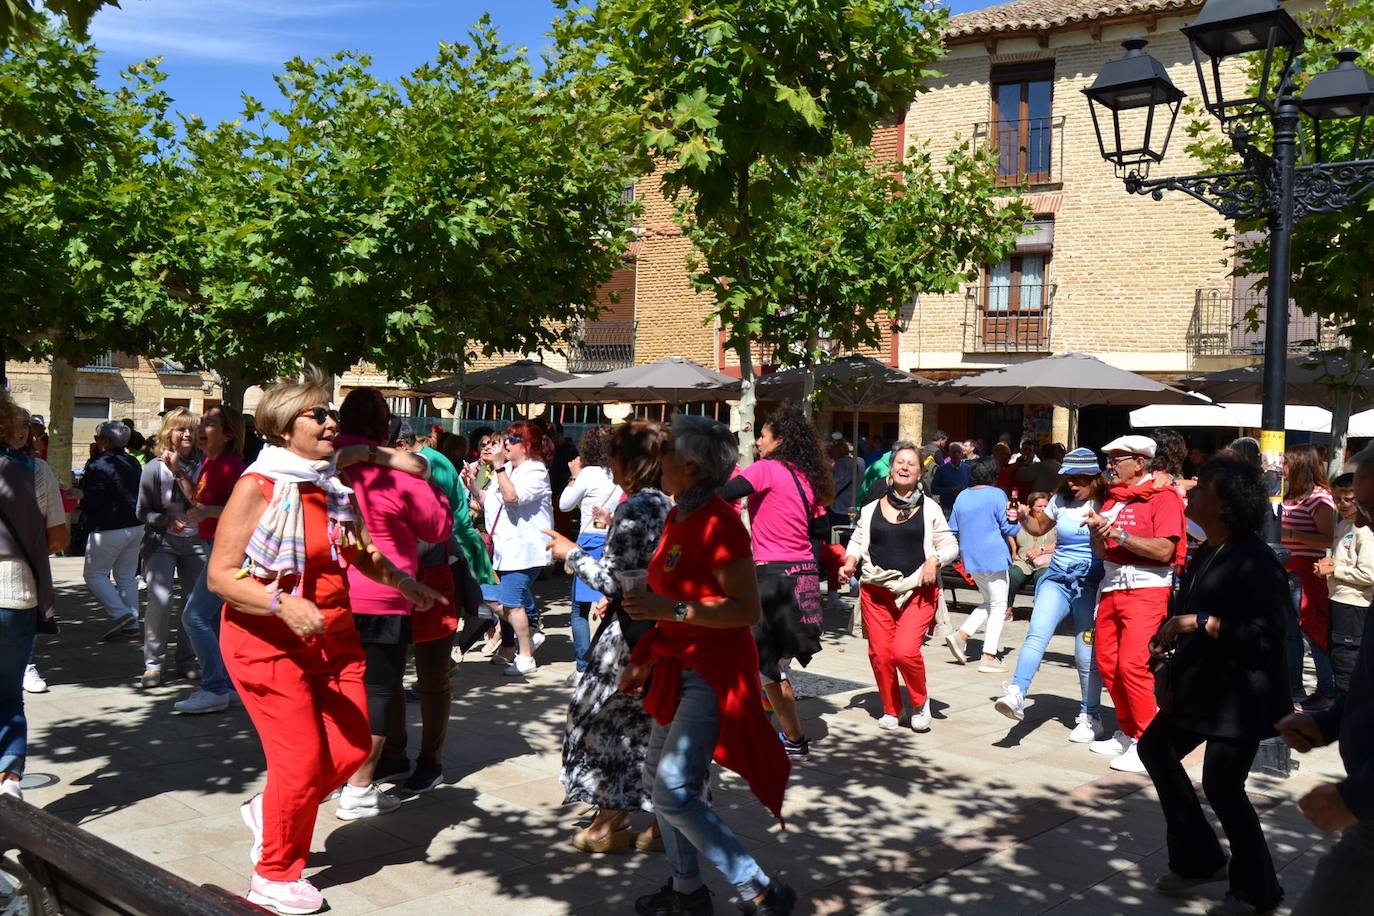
<point>175,419</point>
<point>283,402</point>
<point>13,418</point>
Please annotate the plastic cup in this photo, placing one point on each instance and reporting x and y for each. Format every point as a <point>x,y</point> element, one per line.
<point>633,581</point>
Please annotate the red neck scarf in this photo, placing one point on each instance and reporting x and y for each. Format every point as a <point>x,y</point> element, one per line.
<point>1128,493</point>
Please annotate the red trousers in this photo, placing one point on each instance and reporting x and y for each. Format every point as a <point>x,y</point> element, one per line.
<point>832,559</point>
<point>1314,612</point>
<point>1126,621</point>
<point>308,704</point>
<point>895,637</point>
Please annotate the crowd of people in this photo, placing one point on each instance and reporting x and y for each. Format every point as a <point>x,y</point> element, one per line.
<point>351,544</point>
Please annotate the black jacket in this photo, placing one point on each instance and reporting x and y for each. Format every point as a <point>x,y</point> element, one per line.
<point>109,491</point>
<point>1236,685</point>
<point>1351,721</point>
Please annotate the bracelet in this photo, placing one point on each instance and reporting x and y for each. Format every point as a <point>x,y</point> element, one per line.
<point>276,599</point>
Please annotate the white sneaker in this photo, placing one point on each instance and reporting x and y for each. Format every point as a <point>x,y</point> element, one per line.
<point>33,681</point>
<point>10,787</point>
<point>201,702</point>
<point>355,803</point>
<point>1114,746</point>
<point>536,640</point>
<point>294,898</point>
<point>1013,705</point>
<point>1086,728</point>
<point>889,722</point>
<point>1129,762</point>
<point>521,666</point>
<point>251,812</point>
<point>920,720</point>
<point>573,679</point>
<point>958,646</point>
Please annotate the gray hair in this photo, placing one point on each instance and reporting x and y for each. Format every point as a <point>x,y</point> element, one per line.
<point>114,433</point>
<point>904,445</point>
<point>708,443</point>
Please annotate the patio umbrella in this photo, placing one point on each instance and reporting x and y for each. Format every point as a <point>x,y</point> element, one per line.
<point>1306,382</point>
<point>509,384</point>
<point>851,381</point>
<point>1073,380</point>
<point>1230,416</point>
<point>671,381</point>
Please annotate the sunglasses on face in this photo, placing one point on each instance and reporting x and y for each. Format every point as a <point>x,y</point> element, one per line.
<point>320,414</point>
<point>513,440</point>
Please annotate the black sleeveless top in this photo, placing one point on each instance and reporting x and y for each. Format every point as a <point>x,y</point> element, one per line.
<point>898,546</point>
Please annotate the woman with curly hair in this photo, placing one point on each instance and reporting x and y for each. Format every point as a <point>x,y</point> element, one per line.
<point>787,488</point>
<point>592,488</point>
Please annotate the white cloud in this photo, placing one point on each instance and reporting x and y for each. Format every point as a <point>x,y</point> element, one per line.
<point>230,31</point>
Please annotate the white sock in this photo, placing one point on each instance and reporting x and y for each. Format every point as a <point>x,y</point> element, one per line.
<point>354,791</point>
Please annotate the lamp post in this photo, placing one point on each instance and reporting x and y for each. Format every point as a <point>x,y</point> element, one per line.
<point>1133,96</point>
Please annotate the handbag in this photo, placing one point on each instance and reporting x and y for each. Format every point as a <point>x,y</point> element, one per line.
<point>487,540</point>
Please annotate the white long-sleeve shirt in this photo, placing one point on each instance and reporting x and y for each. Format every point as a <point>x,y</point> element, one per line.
<point>517,531</point>
<point>1353,553</point>
<point>592,487</point>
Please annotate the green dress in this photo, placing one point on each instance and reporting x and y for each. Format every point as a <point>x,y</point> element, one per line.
<point>445,477</point>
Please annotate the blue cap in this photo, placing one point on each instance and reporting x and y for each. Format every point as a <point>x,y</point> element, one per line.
<point>1080,461</point>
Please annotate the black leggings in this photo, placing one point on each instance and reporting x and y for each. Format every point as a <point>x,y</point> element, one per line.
<point>1193,848</point>
<point>386,663</point>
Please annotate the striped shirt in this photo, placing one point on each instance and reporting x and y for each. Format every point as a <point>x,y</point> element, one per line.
<point>1299,516</point>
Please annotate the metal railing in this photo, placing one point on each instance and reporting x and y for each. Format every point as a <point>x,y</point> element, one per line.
<point>1221,326</point>
<point>101,362</point>
<point>603,345</point>
<point>1029,151</point>
<point>995,322</point>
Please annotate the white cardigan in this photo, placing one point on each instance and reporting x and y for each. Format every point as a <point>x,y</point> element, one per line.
<point>940,542</point>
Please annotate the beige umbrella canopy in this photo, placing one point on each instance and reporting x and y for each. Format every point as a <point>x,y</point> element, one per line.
<point>672,381</point>
<point>510,384</point>
<point>1072,380</point>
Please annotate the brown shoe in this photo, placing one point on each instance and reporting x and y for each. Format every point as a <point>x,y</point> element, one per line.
<point>617,842</point>
<point>151,678</point>
<point>649,840</point>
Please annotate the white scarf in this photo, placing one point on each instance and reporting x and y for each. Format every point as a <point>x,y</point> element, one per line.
<point>276,549</point>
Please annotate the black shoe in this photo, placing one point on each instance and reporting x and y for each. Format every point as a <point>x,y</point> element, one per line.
<point>797,750</point>
<point>779,901</point>
<point>427,775</point>
<point>668,902</point>
<point>391,771</point>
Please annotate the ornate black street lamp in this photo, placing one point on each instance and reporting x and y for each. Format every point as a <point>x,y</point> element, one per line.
<point>1138,95</point>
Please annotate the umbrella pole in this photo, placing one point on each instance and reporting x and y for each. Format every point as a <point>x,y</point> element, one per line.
<point>854,454</point>
<point>1073,428</point>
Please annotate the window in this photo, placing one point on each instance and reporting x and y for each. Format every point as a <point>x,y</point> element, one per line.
<point>1019,284</point>
<point>208,404</point>
<point>173,403</point>
<point>627,193</point>
<point>91,409</point>
<point>1022,108</point>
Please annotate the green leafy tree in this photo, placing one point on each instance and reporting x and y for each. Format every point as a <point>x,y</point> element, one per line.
<point>850,240</point>
<point>735,96</point>
<point>80,167</point>
<point>474,206</point>
<point>24,20</point>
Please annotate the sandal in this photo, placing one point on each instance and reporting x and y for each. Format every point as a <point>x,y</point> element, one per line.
<point>617,841</point>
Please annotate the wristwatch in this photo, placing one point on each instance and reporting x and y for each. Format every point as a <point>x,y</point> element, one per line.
<point>680,611</point>
<point>1202,618</point>
<point>1125,536</point>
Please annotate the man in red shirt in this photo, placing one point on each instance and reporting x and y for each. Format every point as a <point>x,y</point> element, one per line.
<point>1137,534</point>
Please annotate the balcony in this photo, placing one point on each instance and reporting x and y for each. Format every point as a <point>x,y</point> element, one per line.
<point>603,345</point>
<point>1030,151</point>
<point>101,362</point>
<point>995,321</point>
<point>1220,326</point>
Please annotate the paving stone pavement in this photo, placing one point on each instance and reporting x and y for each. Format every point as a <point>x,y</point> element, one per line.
<point>974,817</point>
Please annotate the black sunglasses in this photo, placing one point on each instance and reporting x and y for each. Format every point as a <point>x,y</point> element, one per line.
<point>320,414</point>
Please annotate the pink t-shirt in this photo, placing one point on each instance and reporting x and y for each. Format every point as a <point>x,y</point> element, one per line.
<point>777,515</point>
<point>398,510</point>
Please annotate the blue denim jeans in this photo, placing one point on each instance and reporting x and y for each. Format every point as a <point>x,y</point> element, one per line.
<point>1326,675</point>
<point>16,643</point>
<point>677,770</point>
<point>200,622</point>
<point>581,632</point>
<point>1052,605</point>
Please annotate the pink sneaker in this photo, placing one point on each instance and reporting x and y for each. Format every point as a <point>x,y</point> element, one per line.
<point>295,898</point>
<point>251,812</point>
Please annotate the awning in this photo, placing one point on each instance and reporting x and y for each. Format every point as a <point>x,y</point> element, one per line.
<point>1297,417</point>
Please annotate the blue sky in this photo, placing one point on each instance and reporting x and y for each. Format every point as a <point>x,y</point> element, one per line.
<point>216,49</point>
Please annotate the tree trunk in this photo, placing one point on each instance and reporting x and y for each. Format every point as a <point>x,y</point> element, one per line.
<point>809,380</point>
<point>61,403</point>
<point>232,384</point>
<point>4,376</point>
<point>748,402</point>
<point>1342,402</point>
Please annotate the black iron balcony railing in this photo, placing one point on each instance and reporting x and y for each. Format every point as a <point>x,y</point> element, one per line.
<point>1002,318</point>
<point>603,345</point>
<point>101,362</point>
<point>1221,326</point>
<point>1029,151</point>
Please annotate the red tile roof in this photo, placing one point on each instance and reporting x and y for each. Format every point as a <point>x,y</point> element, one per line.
<point>1039,15</point>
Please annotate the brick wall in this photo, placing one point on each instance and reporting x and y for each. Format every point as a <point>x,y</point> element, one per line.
<point>1126,268</point>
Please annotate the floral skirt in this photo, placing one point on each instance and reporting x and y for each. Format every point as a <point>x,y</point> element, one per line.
<point>608,732</point>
